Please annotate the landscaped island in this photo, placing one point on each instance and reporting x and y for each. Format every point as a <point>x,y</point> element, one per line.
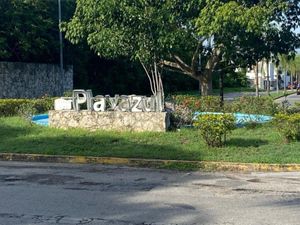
<point>262,144</point>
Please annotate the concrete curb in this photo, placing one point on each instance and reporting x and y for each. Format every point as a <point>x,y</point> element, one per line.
<point>153,163</point>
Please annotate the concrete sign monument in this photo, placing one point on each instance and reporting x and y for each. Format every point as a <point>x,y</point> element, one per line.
<point>121,112</point>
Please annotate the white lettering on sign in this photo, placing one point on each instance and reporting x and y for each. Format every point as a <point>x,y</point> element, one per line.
<point>99,106</point>
<point>99,103</point>
<point>62,104</point>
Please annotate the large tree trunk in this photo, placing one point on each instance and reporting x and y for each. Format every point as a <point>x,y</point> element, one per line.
<point>205,83</point>
<point>203,75</point>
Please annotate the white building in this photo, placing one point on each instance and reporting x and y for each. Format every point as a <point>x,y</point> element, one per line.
<point>262,76</point>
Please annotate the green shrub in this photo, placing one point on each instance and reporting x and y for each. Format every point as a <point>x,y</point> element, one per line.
<point>214,128</point>
<point>181,116</point>
<point>27,110</point>
<point>263,105</point>
<point>288,125</point>
<point>44,104</point>
<point>246,104</point>
<point>198,103</point>
<point>293,109</point>
<point>11,107</point>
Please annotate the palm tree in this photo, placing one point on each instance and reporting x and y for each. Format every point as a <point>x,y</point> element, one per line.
<point>285,65</point>
<point>256,81</point>
<point>295,67</point>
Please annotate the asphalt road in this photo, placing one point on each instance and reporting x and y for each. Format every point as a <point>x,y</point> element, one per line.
<point>40,193</point>
<point>292,99</point>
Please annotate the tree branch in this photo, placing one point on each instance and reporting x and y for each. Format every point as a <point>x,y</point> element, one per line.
<point>194,58</point>
<point>175,67</point>
<point>182,64</point>
<point>148,75</point>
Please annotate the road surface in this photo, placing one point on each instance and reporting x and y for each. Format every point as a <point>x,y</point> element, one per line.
<point>46,194</point>
<point>292,99</point>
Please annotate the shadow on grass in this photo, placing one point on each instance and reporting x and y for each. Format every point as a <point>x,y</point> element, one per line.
<point>245,143</point>
<point>39,140</point>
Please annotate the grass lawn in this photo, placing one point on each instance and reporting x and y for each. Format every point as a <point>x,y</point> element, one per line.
<point>245,145</point>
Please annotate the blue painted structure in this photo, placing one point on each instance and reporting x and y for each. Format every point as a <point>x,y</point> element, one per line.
<point>242,118</point>
<point>42,119</point>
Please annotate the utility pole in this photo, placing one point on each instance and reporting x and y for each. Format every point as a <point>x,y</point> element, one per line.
<point>61,59</point>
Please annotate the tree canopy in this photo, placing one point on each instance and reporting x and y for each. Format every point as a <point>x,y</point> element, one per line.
<point>29,29</point>
<point>194,37</point>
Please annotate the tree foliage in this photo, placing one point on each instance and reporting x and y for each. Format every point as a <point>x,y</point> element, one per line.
<point>29,29</point>
<point>176,32</point>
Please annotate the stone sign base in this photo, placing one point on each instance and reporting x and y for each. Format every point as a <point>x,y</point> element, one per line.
<point>114,120</point>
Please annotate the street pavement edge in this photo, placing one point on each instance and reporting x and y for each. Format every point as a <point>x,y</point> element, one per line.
<point>153,163</point>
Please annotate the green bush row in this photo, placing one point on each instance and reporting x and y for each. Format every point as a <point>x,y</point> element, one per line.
<point>198,103</point>
<point>263,105</point>
<point>247,104</point>
<point>12,107</point>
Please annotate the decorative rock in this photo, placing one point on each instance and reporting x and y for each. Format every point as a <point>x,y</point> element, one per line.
<point>114,120</point>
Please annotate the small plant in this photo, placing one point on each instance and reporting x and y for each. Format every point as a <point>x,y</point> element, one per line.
<point>68,93</point>
<point>294,109</point>
<point>26,111</point>
<point>288,126</point>
<point>214,128</point>
<point>182,116</point>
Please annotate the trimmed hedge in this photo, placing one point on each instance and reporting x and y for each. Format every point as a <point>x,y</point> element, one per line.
<point>11,107</point>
